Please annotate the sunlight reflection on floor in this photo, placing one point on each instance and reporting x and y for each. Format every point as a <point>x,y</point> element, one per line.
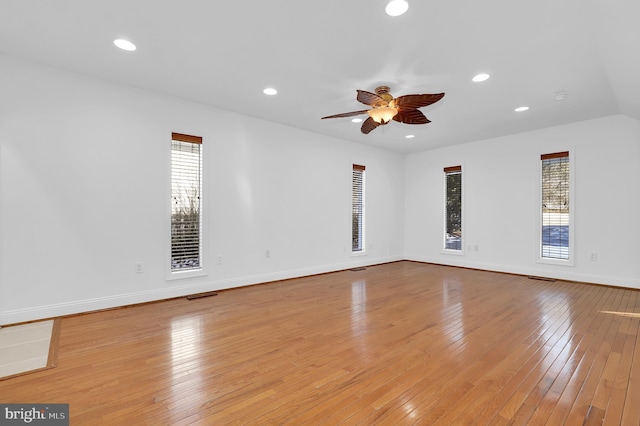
<point>622,314</point>
<point>185,355</point>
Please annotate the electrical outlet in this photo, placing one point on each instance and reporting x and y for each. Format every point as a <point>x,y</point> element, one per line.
<point>593,256</point>
<point>219,259</point>
<point>267,253</point>
<point>138,267</point>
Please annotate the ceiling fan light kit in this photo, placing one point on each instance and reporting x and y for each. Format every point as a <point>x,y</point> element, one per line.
<point>403,109</point>
<point>382,114</point>
<point>383,111</point>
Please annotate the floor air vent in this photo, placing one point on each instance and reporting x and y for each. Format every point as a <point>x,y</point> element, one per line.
<point>201,295</point>
<point>532,277</point>
<point>362,268</point>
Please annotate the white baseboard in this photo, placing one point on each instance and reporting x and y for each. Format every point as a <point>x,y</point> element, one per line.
<point>95,304</point>
<point>87,305</point>
<point>568,274</point>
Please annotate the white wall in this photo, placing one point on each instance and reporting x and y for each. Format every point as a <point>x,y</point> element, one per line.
<point>501,208</point>
<point>84,195</point>
<point>84,190</point>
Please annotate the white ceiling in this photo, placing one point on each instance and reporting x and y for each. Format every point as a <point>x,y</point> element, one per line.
<point>316,54</point>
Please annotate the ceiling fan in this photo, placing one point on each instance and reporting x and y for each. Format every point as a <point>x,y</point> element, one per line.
<point>403,109</point>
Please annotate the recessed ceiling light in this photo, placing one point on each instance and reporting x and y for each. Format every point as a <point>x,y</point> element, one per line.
<point>396,7</point>
<point>125,44</point>
<point>480,77</point>
<point>356,120</point>
<point>270,91</point>
<point>522,108</point>
<point>410,136</point>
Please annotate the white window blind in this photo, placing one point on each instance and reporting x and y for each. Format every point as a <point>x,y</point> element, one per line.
<point>453,208</point>
<point>357,208</point>
<point>186,191</point>
<point>555,206</point>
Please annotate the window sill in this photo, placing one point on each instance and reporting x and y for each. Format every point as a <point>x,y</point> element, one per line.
<point>558,262</point>
<point>452,252</point>
<point>179,275</point>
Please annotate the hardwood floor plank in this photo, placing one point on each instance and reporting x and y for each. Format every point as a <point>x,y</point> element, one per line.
<point>577,370</point>
<point>623,347</point>
<point>631,411</point>
<point>567,362</point>
<point>515,374</point>
<point>485,394</point>
<point>506,378</point>
<point>583,403</point>
<point>400,343</point>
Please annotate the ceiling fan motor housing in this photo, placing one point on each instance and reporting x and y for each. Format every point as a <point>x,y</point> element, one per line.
<point>383,92</point>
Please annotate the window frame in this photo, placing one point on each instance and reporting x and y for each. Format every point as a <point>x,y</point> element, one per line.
<point>362,210</point>
<point>171,273</point>
<point>571,215</point>
<point>446,171</point>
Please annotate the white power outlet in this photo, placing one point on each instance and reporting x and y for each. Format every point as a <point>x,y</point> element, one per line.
<point>138,267</point>
<point>593,256</point>
<point>267,253</point>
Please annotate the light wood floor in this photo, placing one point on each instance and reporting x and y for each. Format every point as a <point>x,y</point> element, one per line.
<point>402,343</point>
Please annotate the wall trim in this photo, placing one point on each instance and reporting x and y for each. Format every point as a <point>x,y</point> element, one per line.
<point>22,315</point>
<point>567,275</point>
<point>17,316</point>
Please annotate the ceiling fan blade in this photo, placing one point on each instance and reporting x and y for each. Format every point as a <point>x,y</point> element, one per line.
<point>369,98</point>
<point>368,126</point>
<point>416,101</point>
<point>411,116</point>
<point>347,114</point>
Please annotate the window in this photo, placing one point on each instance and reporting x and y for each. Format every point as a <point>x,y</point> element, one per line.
<point>357,209</point>
<point>555,206</point>
<point>186,189</point>
<point>453,208</point>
